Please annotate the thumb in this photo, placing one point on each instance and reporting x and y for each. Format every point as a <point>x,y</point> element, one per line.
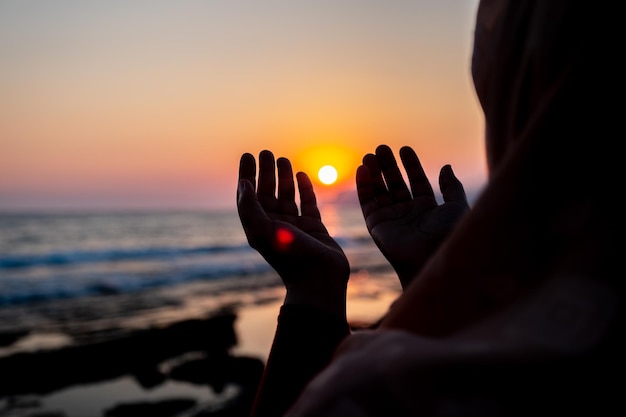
<point>255,221</point>
<point>451,188</point>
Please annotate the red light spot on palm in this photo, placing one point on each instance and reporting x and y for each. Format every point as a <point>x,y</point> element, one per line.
<point>283,238</point>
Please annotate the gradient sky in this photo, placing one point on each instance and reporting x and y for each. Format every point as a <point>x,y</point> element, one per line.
<point>149,104</point>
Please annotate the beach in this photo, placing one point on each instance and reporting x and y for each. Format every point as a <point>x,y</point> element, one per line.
<point>175,323</point>
<point>253,322</point>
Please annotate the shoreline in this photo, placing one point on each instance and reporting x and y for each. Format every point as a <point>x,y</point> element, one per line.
<point>233,370</point>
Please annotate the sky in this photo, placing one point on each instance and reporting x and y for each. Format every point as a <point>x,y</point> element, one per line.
<point>149,104</point>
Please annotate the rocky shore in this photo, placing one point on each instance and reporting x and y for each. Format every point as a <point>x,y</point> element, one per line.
<point>196,351</point>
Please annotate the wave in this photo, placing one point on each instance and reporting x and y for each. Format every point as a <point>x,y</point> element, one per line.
<point>26,279</point>
<point>107,283</point>
<point>142,253</point>
<point>79,256</point>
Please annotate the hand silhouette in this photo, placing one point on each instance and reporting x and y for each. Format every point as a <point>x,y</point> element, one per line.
<point>407,226</point>
<point>311,264</point>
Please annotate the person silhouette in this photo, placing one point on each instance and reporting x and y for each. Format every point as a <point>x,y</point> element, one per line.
<point>313,267</point>
<point>519,311</point>
<point>523,286</point>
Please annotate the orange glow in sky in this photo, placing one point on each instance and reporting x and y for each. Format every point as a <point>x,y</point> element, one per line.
<point>345,161</point>
<point>151,104</point>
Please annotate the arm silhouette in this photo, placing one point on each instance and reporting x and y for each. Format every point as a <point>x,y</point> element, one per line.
<point>312,266</point>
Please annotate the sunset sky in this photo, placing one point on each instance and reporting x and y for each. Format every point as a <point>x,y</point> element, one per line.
<point>149,104</point>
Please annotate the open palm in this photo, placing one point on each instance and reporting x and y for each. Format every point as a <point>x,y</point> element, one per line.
<point>311,264</point>
<point>407,225</point>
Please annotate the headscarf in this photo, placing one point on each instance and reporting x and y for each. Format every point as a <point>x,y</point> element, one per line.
<point>544,73</point>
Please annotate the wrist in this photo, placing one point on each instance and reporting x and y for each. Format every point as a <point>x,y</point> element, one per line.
<point>406,276</point>
<point>332,301</point>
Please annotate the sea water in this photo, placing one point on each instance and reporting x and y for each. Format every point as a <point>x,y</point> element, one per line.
<point>72,276</point>
<point>46,256</point>
<point>50,257</point>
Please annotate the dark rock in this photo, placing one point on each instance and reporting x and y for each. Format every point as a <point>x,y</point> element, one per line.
<point>164,408</point>
<point>133,353</point>
<point>218,371</point>
<point>149,377</point>
<point>8,337</point>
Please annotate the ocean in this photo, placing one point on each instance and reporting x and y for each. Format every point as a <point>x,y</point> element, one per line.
<point>61,269</point>
<point>70,278</point>
<point>49,256</point>
<point>69,255</point>
<point>83,278</point>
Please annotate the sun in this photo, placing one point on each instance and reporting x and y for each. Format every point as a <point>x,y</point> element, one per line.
<point>338,164</point>
<point>327,174</point>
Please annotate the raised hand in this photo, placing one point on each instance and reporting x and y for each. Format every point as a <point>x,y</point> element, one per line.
<point>407,225</point>
<point>311,264</point>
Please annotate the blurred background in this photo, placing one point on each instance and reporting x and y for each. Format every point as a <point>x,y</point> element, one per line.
<point>127,285</point>
<point>148,104</point>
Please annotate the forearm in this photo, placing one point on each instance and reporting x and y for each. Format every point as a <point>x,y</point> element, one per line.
<point>332,301</point>
<point>305,341</point>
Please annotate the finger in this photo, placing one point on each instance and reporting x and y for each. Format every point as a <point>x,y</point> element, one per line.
<point>393,177</point>
<point>308,201</point>
<point>420,186</point>
<point>286,188</point>
<point>256,224</point>
<point>267,181</point>
<point>383,198</point>
<point>247,168</point>
<point>365,191</point>
<point>450,186</point>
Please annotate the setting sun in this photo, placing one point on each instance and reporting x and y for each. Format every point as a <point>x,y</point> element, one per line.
<point>339,160</point>
<point>327,174</point>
